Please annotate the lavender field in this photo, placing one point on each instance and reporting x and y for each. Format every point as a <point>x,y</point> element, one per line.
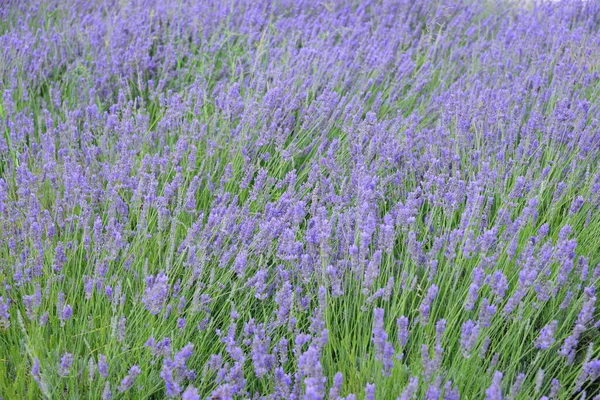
<point>299,199</point>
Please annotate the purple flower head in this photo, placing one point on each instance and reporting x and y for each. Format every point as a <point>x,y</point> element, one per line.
<point>515,389</point>
<point>162,347</point>
<point>155,295</point>
<point>4,314</point>
<point>589,372</point>
<point>91,370</point>
<point>468,337</point>
<point>258,282</point>
<point>372,271</point>
<point>65,364</point>
<point>450,393</point>
<point>284,299</point>
<point>191,393</point>
<point>262,360</point>
<point>410,391</point>
<point>310,368</point>
<point>65,314</point>
<point>434,391</point>
<point>102,366</point>
<point>440,328</point>
<point>431,365</point>
<point>370,391</point>
<point>494,392</point>
<point>486,312</point>
<point>546,337</point>
<point>106,392</point>
<point>240,263</point>
<point>587,310</point>
<point>402,324</point>
<point>554,388</point>
<point>172,389</point>
<point>336,388</point>
<point>570,344</point>
<point>384,351</point>
<point>129,379</point>
<point>576,205</point>
<point>498,284</point>
<point>474,290</point>
<point>425,307</point>
<point>36,370</point>
<point>484,347</point>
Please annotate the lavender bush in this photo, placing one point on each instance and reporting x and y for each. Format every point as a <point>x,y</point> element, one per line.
<point>299,199</point>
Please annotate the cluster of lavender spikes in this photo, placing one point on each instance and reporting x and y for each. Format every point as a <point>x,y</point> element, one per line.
<point>299,199</point>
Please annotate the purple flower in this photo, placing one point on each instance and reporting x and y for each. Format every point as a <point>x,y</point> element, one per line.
<point>539,380</point>
<point>494,392</point>
<point>589,372</point>
<point>570,343</point>
<point>440,329</point>
<point>258,282</point>
<point>172,389</point>
<point>106,392</point>
<point>484,347</point>
<point>425,307</point>
<point>240,263</point>
<point>499,284</point>
<point>516,386</point>
<point>120,331</point>
<point>486,312</point>
<point>384,351</point>
<point>282,383</point>
<point>191,393</point>
<point>310,368</point>
<point>370,391</point>
<point>402,324</point>
<point>65,364</point>
<point>261,359</point>
<point>102,365</point>
<point>468,337</point>
<point>129,379</point>
<point>155,295</point>
<point>554,388</point>
<point>372,271</point>
<point>284,300</point>
<point>162,347</point>
<point>4,314</point>
<point>44,319</point>
<point>259,177</point>
<point>410,392</point>
<point>546,337</point>
<point>389,287</point>
<point>587,310</point>
<point>336,388</point>
<point>65,314</point>
<point>576,205</point>
<point>431,365</point>
<point>478,276</point>
<point>36,370</point>
<point>450,393</point>
<point>434,391</point>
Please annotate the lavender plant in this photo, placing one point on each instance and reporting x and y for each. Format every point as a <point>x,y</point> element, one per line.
<point>299,199</point>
